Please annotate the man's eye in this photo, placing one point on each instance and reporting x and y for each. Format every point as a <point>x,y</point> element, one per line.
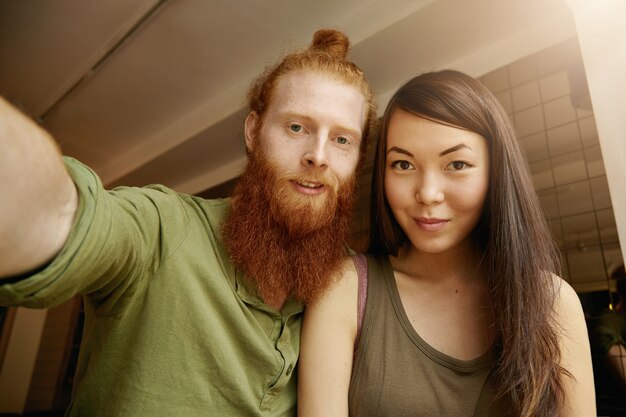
<point>295,127</point>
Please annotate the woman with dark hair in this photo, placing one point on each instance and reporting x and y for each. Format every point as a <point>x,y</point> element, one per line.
<point>457,309</point>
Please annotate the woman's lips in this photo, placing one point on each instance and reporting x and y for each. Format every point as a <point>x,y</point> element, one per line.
<point>430,224</point>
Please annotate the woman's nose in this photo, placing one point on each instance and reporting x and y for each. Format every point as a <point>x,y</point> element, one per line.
<point>429,190</point>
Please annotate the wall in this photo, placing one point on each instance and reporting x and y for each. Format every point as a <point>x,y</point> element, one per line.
<point>19,361</point>
<point>546,97</point>
<point>45,392</point>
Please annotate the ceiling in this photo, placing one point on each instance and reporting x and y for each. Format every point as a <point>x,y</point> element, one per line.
<point>148,91</point>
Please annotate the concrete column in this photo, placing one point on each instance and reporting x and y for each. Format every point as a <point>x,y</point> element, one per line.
<point>602,37</point>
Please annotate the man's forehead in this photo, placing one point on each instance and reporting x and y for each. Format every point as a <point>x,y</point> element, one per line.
<point>306,79</point>
<point>320,93</point>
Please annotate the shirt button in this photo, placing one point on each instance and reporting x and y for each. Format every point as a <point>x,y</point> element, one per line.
<point>289,369</point>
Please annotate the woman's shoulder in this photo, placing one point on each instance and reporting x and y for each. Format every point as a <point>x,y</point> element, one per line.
<point>569,314</point>
<point>339,301</point>
<point>344,284</point>
<point>566,299</point>
<point>575,350</point>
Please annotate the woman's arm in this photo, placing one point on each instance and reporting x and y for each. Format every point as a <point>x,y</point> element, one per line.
<point>580,399</point>
<point>327,347</point>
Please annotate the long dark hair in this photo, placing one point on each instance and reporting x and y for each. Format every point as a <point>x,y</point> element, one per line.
<point>519,254</point>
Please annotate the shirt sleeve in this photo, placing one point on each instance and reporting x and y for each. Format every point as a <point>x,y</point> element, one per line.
<point>118,242</point>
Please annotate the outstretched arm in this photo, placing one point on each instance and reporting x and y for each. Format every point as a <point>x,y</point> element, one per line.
<point>580,399</point>
<point>327,347</point>
<point>38,197</point>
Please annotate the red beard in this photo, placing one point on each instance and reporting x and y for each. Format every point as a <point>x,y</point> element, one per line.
<point>286,243</point>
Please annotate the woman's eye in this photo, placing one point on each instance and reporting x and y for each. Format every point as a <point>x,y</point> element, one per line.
<point>402,165</point>
<point>295,127</point>
<point>342,141</point>
<point>458,165</point>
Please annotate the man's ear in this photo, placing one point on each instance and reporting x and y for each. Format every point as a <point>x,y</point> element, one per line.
<point>250,129</point>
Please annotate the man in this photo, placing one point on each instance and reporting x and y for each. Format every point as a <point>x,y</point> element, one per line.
<point>608,347</point>
<point>192,306</point>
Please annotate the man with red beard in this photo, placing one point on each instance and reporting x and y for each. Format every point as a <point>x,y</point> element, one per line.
<point>193,307</point>
<point>290,211</point>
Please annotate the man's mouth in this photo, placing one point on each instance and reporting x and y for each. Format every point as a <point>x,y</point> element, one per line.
<point>310,184</point>
<point>308,187</point>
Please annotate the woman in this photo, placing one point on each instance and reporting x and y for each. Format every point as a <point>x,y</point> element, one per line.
<point>464,313</point>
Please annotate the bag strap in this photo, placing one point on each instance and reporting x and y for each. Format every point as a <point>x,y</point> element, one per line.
<point>360,263</point>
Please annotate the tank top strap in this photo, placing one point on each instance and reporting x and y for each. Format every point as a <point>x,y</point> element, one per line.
<point>360,263</point>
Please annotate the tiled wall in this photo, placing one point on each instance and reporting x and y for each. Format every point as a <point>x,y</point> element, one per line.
<point>546,98</point>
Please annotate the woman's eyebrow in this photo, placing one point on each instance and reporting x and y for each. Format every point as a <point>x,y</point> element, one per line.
<point>399,150</point>
<point>455,148</point>
<point>442,153</point>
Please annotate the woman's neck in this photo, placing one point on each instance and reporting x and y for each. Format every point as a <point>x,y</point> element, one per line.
<point>460,263</point>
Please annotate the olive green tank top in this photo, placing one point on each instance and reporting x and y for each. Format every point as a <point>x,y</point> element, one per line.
<point>396,373</point>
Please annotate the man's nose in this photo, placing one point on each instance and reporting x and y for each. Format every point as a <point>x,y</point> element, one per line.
<point>316,153</point>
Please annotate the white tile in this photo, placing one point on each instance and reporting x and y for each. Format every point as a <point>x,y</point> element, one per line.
<point>569,168</point>
<point>535,146</point>
<point>581,101</point>
<point>595,163</point>
<point>582,113</point>
<point>548,201</point>
<point>526,95</point>
<point>613,257</point>
<point>586,265</point>
<point>504,97</point>
<point>522,70</point>
<point>600,192</point>
<point>607,226</point>
<point>588,132</point>
<point>574,198</point>
<point>496,80</point>
<point>580,229</point>
<point>529,121</point>
<point>554,85</point>
<point>557,57</point>
<point>564,139</point>
<point>541,172</point>
<point>559,112</point>
<point>579,88</point>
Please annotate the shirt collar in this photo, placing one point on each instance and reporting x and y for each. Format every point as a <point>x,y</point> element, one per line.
<point>251,297</point>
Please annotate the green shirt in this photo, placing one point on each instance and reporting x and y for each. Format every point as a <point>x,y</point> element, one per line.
<point>170,327</point>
